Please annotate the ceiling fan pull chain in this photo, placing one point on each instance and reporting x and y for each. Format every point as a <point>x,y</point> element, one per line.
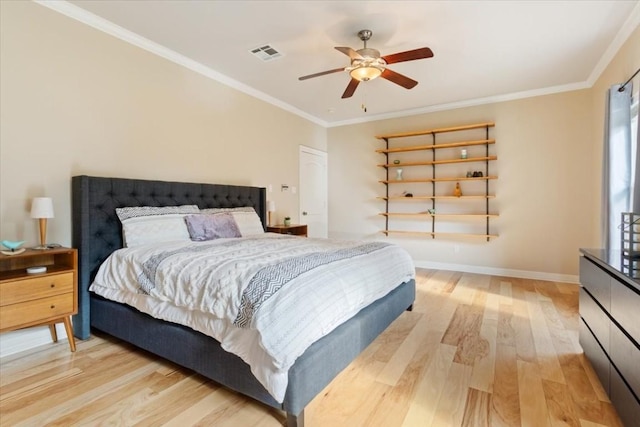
<point>364,100</point>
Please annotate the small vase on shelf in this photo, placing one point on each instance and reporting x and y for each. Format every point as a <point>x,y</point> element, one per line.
<point>457,191</point>
<point>399,174</point>
<point>287,221</point>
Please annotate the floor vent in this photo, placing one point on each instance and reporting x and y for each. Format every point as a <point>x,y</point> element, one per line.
<point>266,53</point>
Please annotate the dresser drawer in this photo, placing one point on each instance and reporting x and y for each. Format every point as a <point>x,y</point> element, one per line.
<point>25,313</point>
<point>36,287</point>
<point>595,355</point>
<point>596,318</point>
<point>625,308</point>
<point>626,356</point>
<point>596,281</point>
<point>626,404</point>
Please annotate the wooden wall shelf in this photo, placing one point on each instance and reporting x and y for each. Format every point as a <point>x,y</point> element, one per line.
<point>438,146</point>
<point>488,196</point>
<point>405,181</point>
<point>436,234</point>
<point>438,162</point>
<point>396,157</point>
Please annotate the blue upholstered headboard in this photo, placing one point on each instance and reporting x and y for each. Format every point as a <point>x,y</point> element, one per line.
<point>97,229</point>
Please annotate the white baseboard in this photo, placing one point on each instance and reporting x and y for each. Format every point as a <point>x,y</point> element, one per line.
<point>26,339</point>
<point>522,274</point>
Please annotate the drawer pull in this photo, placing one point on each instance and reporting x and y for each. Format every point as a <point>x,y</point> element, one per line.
<point>53,285</point>
<point>53,306</point>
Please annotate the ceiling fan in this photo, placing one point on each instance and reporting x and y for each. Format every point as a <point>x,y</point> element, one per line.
<point>367,64</point>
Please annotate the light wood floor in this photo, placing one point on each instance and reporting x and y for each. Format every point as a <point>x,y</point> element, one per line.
<point>476,351</point>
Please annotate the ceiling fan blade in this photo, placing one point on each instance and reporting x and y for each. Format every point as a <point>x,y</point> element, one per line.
<point>409,55</point>
<point>398,79</point>
<point>351,88</point>
<point>349,52</point>
<point>322,73</point>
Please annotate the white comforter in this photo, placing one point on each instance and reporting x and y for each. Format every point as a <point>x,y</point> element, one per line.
<point>213,287</point>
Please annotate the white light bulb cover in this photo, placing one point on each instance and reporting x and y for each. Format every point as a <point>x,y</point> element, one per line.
<point>364,74</point>
<point>42,207</point>
<point>271,206</point>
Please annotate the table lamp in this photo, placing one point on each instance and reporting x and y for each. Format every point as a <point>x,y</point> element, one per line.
<point>271,207</point>
<point>42,209</point>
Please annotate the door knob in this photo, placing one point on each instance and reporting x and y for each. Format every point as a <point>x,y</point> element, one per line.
<point>304,213</point>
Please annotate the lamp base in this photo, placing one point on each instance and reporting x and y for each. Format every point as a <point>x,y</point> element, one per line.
<point>41,248</point>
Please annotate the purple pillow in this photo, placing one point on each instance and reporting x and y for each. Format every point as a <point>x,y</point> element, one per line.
<point>209,227</point>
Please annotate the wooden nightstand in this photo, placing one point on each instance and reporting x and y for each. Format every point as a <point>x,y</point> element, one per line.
<point>39,299</point>
<point>294,229</point>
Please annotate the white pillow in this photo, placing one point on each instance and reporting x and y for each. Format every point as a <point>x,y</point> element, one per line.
<point>248,223</point>
<point>152,224</point>
<point>143,230</point>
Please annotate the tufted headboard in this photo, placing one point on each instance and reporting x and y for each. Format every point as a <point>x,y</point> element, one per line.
<point>97,229</point>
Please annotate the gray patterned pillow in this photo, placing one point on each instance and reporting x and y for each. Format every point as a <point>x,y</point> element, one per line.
<point>136,211</point>
<point>209,227</point>
<point>219,210</point>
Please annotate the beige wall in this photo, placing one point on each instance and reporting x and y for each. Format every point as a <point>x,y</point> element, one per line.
<point>542,146</point>
<point>75,101</point>
<point>547,194</point>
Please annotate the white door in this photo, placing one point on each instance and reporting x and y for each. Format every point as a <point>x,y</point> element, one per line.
<point>313,191</point>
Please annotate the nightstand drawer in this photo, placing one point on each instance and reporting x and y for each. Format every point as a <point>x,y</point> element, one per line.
<point>36,310</point>
<point>32,288</point>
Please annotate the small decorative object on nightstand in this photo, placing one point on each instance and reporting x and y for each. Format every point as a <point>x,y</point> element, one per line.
<point>287,221</point>
<point>293,229</point>
<point>46,298</point>
<point>14,247</point>
<point>42,209</point>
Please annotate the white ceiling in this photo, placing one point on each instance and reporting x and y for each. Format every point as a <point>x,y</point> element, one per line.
<point>484,51</point>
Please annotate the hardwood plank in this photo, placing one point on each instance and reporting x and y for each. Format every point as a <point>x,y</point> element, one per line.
<point>533,405</point>
<point>548,363</point>
<point>505,403</point>
<point>525,347</point>
<point>451,406</point>
<point>477,410</point>
<point>423,407</point>
<point>561,411</point>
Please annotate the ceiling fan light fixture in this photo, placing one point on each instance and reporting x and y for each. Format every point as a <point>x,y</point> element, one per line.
<point>365,73</point>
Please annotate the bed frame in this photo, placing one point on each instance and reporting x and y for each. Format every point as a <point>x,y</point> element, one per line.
<point>97,233</point>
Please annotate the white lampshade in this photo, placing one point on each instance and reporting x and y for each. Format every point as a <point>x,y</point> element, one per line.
<point>271,206</point>
<point>42,207</point>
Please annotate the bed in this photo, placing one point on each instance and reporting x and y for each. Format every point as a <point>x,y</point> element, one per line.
<point>97,233</point>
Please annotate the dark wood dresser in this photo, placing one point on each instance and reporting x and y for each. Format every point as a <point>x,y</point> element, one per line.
<point>610,328</point>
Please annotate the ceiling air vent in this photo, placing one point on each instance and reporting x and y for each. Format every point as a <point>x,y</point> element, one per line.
<point>265,53</point>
